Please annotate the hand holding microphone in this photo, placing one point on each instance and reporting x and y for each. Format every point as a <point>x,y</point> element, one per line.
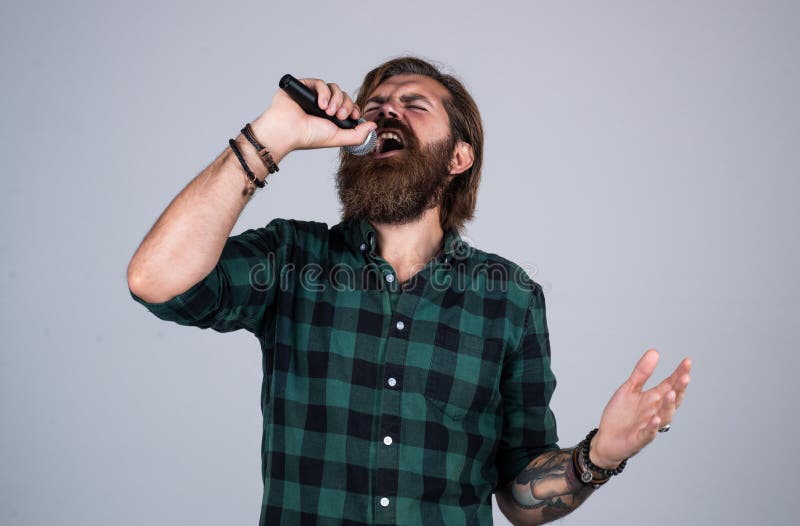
<point>287,126</point>
<point>307,100</point>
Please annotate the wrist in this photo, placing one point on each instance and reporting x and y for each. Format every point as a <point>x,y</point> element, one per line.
<point>597,454</point>
<point>268,129</point>
<point>251,158</point>
<point>591,474</point>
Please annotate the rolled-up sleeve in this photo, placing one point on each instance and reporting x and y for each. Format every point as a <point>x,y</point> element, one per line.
<point>241,290</point>
<point>529,426</point>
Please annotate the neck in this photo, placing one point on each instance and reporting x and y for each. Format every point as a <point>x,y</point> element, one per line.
<point>410,246</point>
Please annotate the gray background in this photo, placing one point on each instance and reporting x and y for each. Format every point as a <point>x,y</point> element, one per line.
<point>641,161</point>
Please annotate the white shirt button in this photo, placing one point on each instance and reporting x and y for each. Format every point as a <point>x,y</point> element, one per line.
<point>384,502</point>
<point>387,440</point>
<point>392,382</point>
<point>389,278</point>
<point>400,325</point>
<point>363,246</point>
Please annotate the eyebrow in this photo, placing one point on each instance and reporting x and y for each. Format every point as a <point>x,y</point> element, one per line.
<point>410,97</point>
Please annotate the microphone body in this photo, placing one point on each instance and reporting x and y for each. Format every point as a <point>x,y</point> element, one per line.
<point>307,100</point>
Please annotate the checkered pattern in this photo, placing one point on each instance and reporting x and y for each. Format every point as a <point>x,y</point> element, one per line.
<point>383,403</point>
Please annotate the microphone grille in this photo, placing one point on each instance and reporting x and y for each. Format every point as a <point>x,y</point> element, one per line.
<point>367,146</point>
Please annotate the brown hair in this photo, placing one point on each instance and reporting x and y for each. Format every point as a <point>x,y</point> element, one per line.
<point>461,194</point>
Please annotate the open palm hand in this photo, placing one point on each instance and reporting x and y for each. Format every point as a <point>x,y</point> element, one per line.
<point>633,416</point>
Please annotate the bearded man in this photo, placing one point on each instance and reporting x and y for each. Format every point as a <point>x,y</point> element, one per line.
<point>406,374</point>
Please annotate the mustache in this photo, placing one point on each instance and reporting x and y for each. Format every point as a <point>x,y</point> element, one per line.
<point>389,122</point>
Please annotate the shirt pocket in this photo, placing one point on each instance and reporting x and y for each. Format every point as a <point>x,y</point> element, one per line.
<point>463,376</point>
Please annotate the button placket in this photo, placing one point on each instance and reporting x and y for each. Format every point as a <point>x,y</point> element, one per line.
<point>391,431</point>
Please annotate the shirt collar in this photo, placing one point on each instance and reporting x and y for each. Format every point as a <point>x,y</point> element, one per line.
<point>365,238</point>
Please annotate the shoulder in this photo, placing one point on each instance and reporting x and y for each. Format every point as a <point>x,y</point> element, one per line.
<point>506,291</point>
<point>498,273</point>
<point>301,241</point>
<point>288,230</point>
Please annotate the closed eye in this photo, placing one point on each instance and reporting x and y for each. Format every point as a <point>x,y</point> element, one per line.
<point>412,106</point>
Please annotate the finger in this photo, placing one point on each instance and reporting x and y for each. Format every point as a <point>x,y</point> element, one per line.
<point>337,96</point>
<point>653,424</point>
<point>355,136</point>
<point>651,403</point>
<point>685,365</point>
<point>346,107</point>
<point>681,391</point>
<point>365,128</point>
<point>322,90</point>
<point>643,370</point>
<point>684,376</point>
<point>647,432</point>
<point>663,388</point>
<point>679,379</point>
<point>668,407</point>
<point>683,369</point>
<point>648,409</point>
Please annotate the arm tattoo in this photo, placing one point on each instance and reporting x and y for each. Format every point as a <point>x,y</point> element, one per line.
<point>550,485</point>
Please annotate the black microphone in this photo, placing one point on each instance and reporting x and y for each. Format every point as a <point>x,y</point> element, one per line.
<point>307,99</point>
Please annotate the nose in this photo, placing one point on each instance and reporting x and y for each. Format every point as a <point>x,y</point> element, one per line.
<point>388,111</point>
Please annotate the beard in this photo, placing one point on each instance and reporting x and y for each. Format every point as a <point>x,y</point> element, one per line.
<point>396,189</point>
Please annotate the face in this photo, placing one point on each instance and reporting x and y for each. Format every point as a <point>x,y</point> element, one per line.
<point>410,167</point>
<point>415,100</point>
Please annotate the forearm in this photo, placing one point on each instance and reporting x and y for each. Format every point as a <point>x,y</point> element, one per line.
<point>187,240</point>
<point>547,489</point>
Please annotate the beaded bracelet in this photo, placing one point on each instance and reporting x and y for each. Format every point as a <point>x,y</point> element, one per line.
<point>584,454</point>
<point>263,153</point>
<point>251,177</point>
<point>586,477</point>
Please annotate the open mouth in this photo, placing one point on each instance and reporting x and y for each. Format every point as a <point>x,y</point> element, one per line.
<point>389,141</point>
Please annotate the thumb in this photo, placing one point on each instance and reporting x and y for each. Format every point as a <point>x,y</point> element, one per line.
<point>360,133</point>
<point>644,368</point>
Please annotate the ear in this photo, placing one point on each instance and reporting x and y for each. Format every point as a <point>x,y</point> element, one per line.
<point>463,157</point>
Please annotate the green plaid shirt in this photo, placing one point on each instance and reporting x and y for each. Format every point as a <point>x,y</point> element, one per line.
<point>383,403</point>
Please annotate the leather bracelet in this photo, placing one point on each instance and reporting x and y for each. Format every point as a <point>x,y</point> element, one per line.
<point>586,477</point>
<point>263,153</point>
<point>251,177</point>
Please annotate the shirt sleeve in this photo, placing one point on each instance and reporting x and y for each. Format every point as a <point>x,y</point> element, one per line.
<point>529,426</point>
<point>240,292</point>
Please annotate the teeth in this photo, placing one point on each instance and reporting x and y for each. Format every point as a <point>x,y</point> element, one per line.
<point>390,135</point>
